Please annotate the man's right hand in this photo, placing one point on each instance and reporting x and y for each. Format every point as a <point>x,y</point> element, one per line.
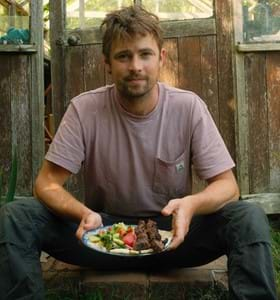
<point>90,221</point>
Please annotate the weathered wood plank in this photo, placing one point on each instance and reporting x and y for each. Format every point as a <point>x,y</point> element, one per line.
<point>242,126</point>
<point>273,92</point>
<point>171,29</point>
<point>227,104</point>
<point>57,25</point>
<point>21,120</point>
<point>270,202</point>
<point>18,48</point>
<point>37,87</point>
<point>264,47</point>
<point>94,76</point>
<point>5,119</point>
<point>74,73</point>
<point>258,122</point>
<point>190,79</point>
<point>208,86</point>
<point>195,27</point>
<point>169,72</point>
<point>190,64</point>
<point>74,85</point>
<point>209,76</point>
<point>238,22</point>
<point>26,100</point>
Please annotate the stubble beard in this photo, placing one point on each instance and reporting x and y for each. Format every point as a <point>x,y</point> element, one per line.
<point>133,94</point>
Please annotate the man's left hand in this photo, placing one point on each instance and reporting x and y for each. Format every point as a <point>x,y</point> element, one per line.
<point>182,215</point>
<point>92,220</point>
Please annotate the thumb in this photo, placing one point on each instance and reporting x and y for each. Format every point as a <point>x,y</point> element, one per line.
<point>169,208</point>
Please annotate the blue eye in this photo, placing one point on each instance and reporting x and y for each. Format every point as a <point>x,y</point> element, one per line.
<point>123,57</point>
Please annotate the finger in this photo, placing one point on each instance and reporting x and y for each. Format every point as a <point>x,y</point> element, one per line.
<point>178,238</point>
<point>93,221</point>
<point>93,225</point>
<point>79,233</point>
<point>169,208</point>
<point>180,229</point>
<point>176,241</point>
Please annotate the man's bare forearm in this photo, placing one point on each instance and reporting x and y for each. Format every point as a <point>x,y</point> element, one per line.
<point>50,191</point>
<point>220,191</point>
<point>61,202</point>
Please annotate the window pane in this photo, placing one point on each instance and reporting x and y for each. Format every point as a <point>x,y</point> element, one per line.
<point>180,9</point>
<point>261,20</point>
<point>14,22</point>
<point>89,13</point>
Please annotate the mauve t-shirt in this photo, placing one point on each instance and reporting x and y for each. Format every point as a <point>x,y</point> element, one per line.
<point>133,165</point>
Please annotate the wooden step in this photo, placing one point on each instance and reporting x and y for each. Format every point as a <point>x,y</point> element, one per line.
<point>63,278</point>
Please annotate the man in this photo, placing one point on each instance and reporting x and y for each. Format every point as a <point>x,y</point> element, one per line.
<point>136,141</point>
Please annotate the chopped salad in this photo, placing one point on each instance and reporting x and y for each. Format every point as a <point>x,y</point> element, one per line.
<point>117,236</point>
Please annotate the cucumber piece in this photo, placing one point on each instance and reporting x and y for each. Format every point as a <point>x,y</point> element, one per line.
<point>118,242</point>
<point>94,238</point>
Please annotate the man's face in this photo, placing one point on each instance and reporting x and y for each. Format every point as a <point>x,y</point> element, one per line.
<point>134,65</point>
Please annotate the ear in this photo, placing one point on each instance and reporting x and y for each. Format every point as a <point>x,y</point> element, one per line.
<point>108,68</point>
<point>107,65</point>
<point>162,56</point>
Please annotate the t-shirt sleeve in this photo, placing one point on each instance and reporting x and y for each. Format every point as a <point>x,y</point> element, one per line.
<point>67,148</point>
<point>210,156</point>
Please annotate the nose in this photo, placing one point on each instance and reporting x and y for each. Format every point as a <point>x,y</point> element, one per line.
<point>135,64</point>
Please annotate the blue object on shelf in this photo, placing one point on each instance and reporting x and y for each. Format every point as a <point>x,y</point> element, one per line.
<point>15,36</point>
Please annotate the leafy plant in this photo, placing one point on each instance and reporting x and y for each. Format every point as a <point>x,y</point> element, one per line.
<point>276,256</point>
<point>12,180</point>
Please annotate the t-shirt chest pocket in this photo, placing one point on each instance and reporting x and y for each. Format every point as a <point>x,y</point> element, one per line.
<point>170,177</point>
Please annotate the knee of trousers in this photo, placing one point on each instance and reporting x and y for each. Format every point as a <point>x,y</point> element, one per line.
<point>248,224</point>
<point>18,222</point>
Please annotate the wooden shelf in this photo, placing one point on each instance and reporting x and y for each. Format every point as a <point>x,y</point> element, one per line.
<point>256,47</point>
<point>18,48</point>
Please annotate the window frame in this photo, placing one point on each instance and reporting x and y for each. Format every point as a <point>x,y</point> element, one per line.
<point>240,44</point>
<point>35,21</point>
<point>171,28</point>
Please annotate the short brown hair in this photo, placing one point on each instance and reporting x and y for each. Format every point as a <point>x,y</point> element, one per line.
<point>125,23</point>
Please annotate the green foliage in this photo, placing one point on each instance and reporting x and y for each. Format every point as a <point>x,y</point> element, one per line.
<point>46,9</point>
<point>275,233</point>
<point>210,293</point>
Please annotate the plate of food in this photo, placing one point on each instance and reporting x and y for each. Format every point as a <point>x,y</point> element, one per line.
<point>127,240</point>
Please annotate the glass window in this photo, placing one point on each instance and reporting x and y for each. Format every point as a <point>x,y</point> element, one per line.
<point>83,13</point>
<point>261,20</point>
<point>180,9</point>
<point>14,22</point>
<point>90,13</point>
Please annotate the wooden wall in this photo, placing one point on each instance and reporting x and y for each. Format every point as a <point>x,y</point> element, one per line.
<point>262,90</point>
<point>22,105</point>
<point>15,119</point>
<point>201,58</point>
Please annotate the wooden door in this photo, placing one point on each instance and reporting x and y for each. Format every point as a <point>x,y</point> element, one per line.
<point>199,59</point>
<point>22,105</point>
<point>258,112</point>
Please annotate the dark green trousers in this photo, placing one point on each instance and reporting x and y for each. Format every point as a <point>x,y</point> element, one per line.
<point>240,230</point>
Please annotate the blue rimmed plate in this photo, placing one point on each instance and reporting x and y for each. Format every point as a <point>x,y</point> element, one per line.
<point>86,240</point>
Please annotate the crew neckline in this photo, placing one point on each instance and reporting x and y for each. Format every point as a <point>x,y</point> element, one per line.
<point>139,118</point>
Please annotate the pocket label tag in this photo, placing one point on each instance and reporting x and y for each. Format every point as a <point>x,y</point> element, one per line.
<point>180,167</point>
